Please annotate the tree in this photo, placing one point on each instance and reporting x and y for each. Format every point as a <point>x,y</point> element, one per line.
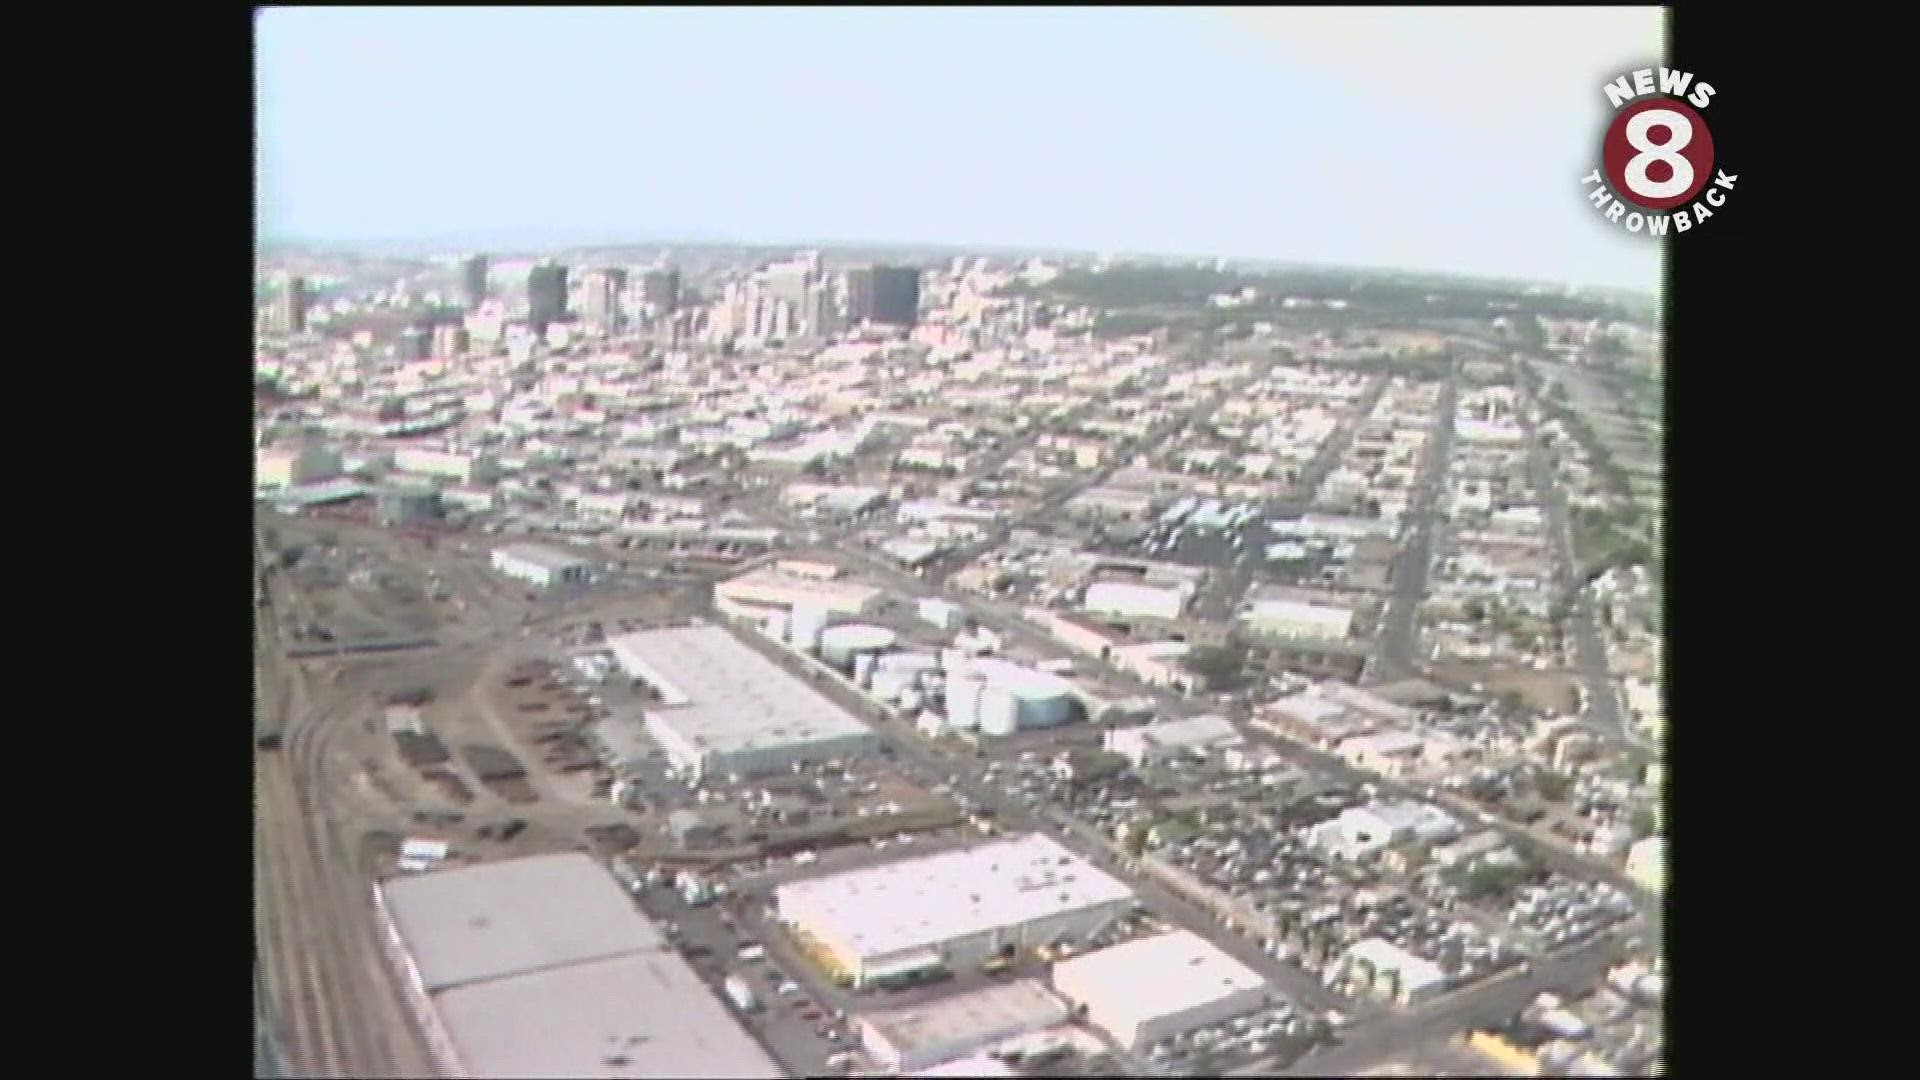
<point>1218,665</point>
<point>1552,785</point>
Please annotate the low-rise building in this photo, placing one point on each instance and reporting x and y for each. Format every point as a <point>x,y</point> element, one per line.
<point>541,566</point>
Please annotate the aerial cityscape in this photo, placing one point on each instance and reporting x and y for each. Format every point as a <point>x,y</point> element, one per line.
<point>692,657</point>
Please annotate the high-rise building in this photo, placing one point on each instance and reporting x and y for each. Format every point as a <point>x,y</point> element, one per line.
<point>884,294</point>
<point>660,291</point>
<point>546,295</point>
<point>822,310</point>
<point>604,289</point>
<point>291,314</point>
<point>473,281</point>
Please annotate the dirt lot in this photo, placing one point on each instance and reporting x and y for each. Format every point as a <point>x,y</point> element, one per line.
<point>1551,691</point>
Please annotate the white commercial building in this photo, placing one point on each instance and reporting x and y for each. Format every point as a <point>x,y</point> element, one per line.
<point>726,709</point>
<point>1293,618</point>
<point>458,467</point>
<point>1134,600</point>
<point>1159,987</point>
<point>543,967</point>
<point>1647,863</point>
<point>1361,832</point>
<point>1172,738</point>
<point>542,566</point>
<point>953,909</point>
<point>774,588</point>
<point>282,466</point>
<point>1393,972</point>
<point>934,1032</point>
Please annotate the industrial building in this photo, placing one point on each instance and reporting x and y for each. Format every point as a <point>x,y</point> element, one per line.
<point>939,1031</point>
<point>1172,738</point>
<point>1294,618</point>
<point>542,967</point>
<point>726,709</point>
<point>951,910</point>
<point>1128,599</point>
<point>770,587</point>
<point>541,566</point>
<point>1392,972</point>
<point>1158,987</point>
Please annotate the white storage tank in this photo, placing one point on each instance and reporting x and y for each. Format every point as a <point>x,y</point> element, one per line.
<point>840,644</point>
<point>999,711</point>
<point>963,701</point>
<point>889,685</point>
<point>808,624</point>
<point>909,662</point>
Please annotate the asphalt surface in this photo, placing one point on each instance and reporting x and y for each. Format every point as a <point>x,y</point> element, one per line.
<point>1601,702</point>
<point>1397,656</point>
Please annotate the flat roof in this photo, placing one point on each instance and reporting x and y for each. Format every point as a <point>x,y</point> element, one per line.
<point>1415,973</point>
<point>723,696</point>
<point>643,1015</point>
<point>993,1013</point>
<point>926,901</point>
<point>476,923</point>
<point>1156,976</point>
<point>547,558</point>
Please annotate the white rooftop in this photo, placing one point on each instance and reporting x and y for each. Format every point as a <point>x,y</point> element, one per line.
<point>644,1015</point>
<point>547,558</point>
<point>1415,973</point>
<point>1022,682</point>
<point>987,1014</point>
<point>722,695</point>
<point>1157,976</point>
<point>476,923</point>
<point>918,903</point>
<point>1193,731</point>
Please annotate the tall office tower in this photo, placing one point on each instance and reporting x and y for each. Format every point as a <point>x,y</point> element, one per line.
<point>546,295</point>
<point>450,340</point>
<point>473,281</point>
<point>884,294</point>
<point>822,313</point>
<point>787,282</point>
<point>290,315</point>
<point>603,300</point>
<point>660,291</point>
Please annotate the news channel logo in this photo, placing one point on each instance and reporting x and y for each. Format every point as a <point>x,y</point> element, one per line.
<point>1657,171</point>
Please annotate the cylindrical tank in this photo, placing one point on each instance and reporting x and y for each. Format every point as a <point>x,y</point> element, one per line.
<point>863,668</point>
<point>909,662</point>
<point>840,644</point>
<point>963,701</point>
<point>889,684</point>
<point>807,626</point>
<point>999,711</point>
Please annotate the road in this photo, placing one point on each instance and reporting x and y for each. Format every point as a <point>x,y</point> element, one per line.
<point>1397,656</point>
<point>1601,702</point>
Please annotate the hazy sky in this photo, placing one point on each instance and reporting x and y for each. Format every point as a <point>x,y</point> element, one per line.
<point>1447,139</point>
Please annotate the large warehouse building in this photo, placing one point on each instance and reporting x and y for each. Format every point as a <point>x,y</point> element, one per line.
<point>951,910</point>
<point>542,967</point>
<point>1157,987</point>
<point>726,709</point>
<point>935,1032</point>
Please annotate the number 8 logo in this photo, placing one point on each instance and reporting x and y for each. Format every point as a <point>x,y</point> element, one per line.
<point>1658,153</point>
